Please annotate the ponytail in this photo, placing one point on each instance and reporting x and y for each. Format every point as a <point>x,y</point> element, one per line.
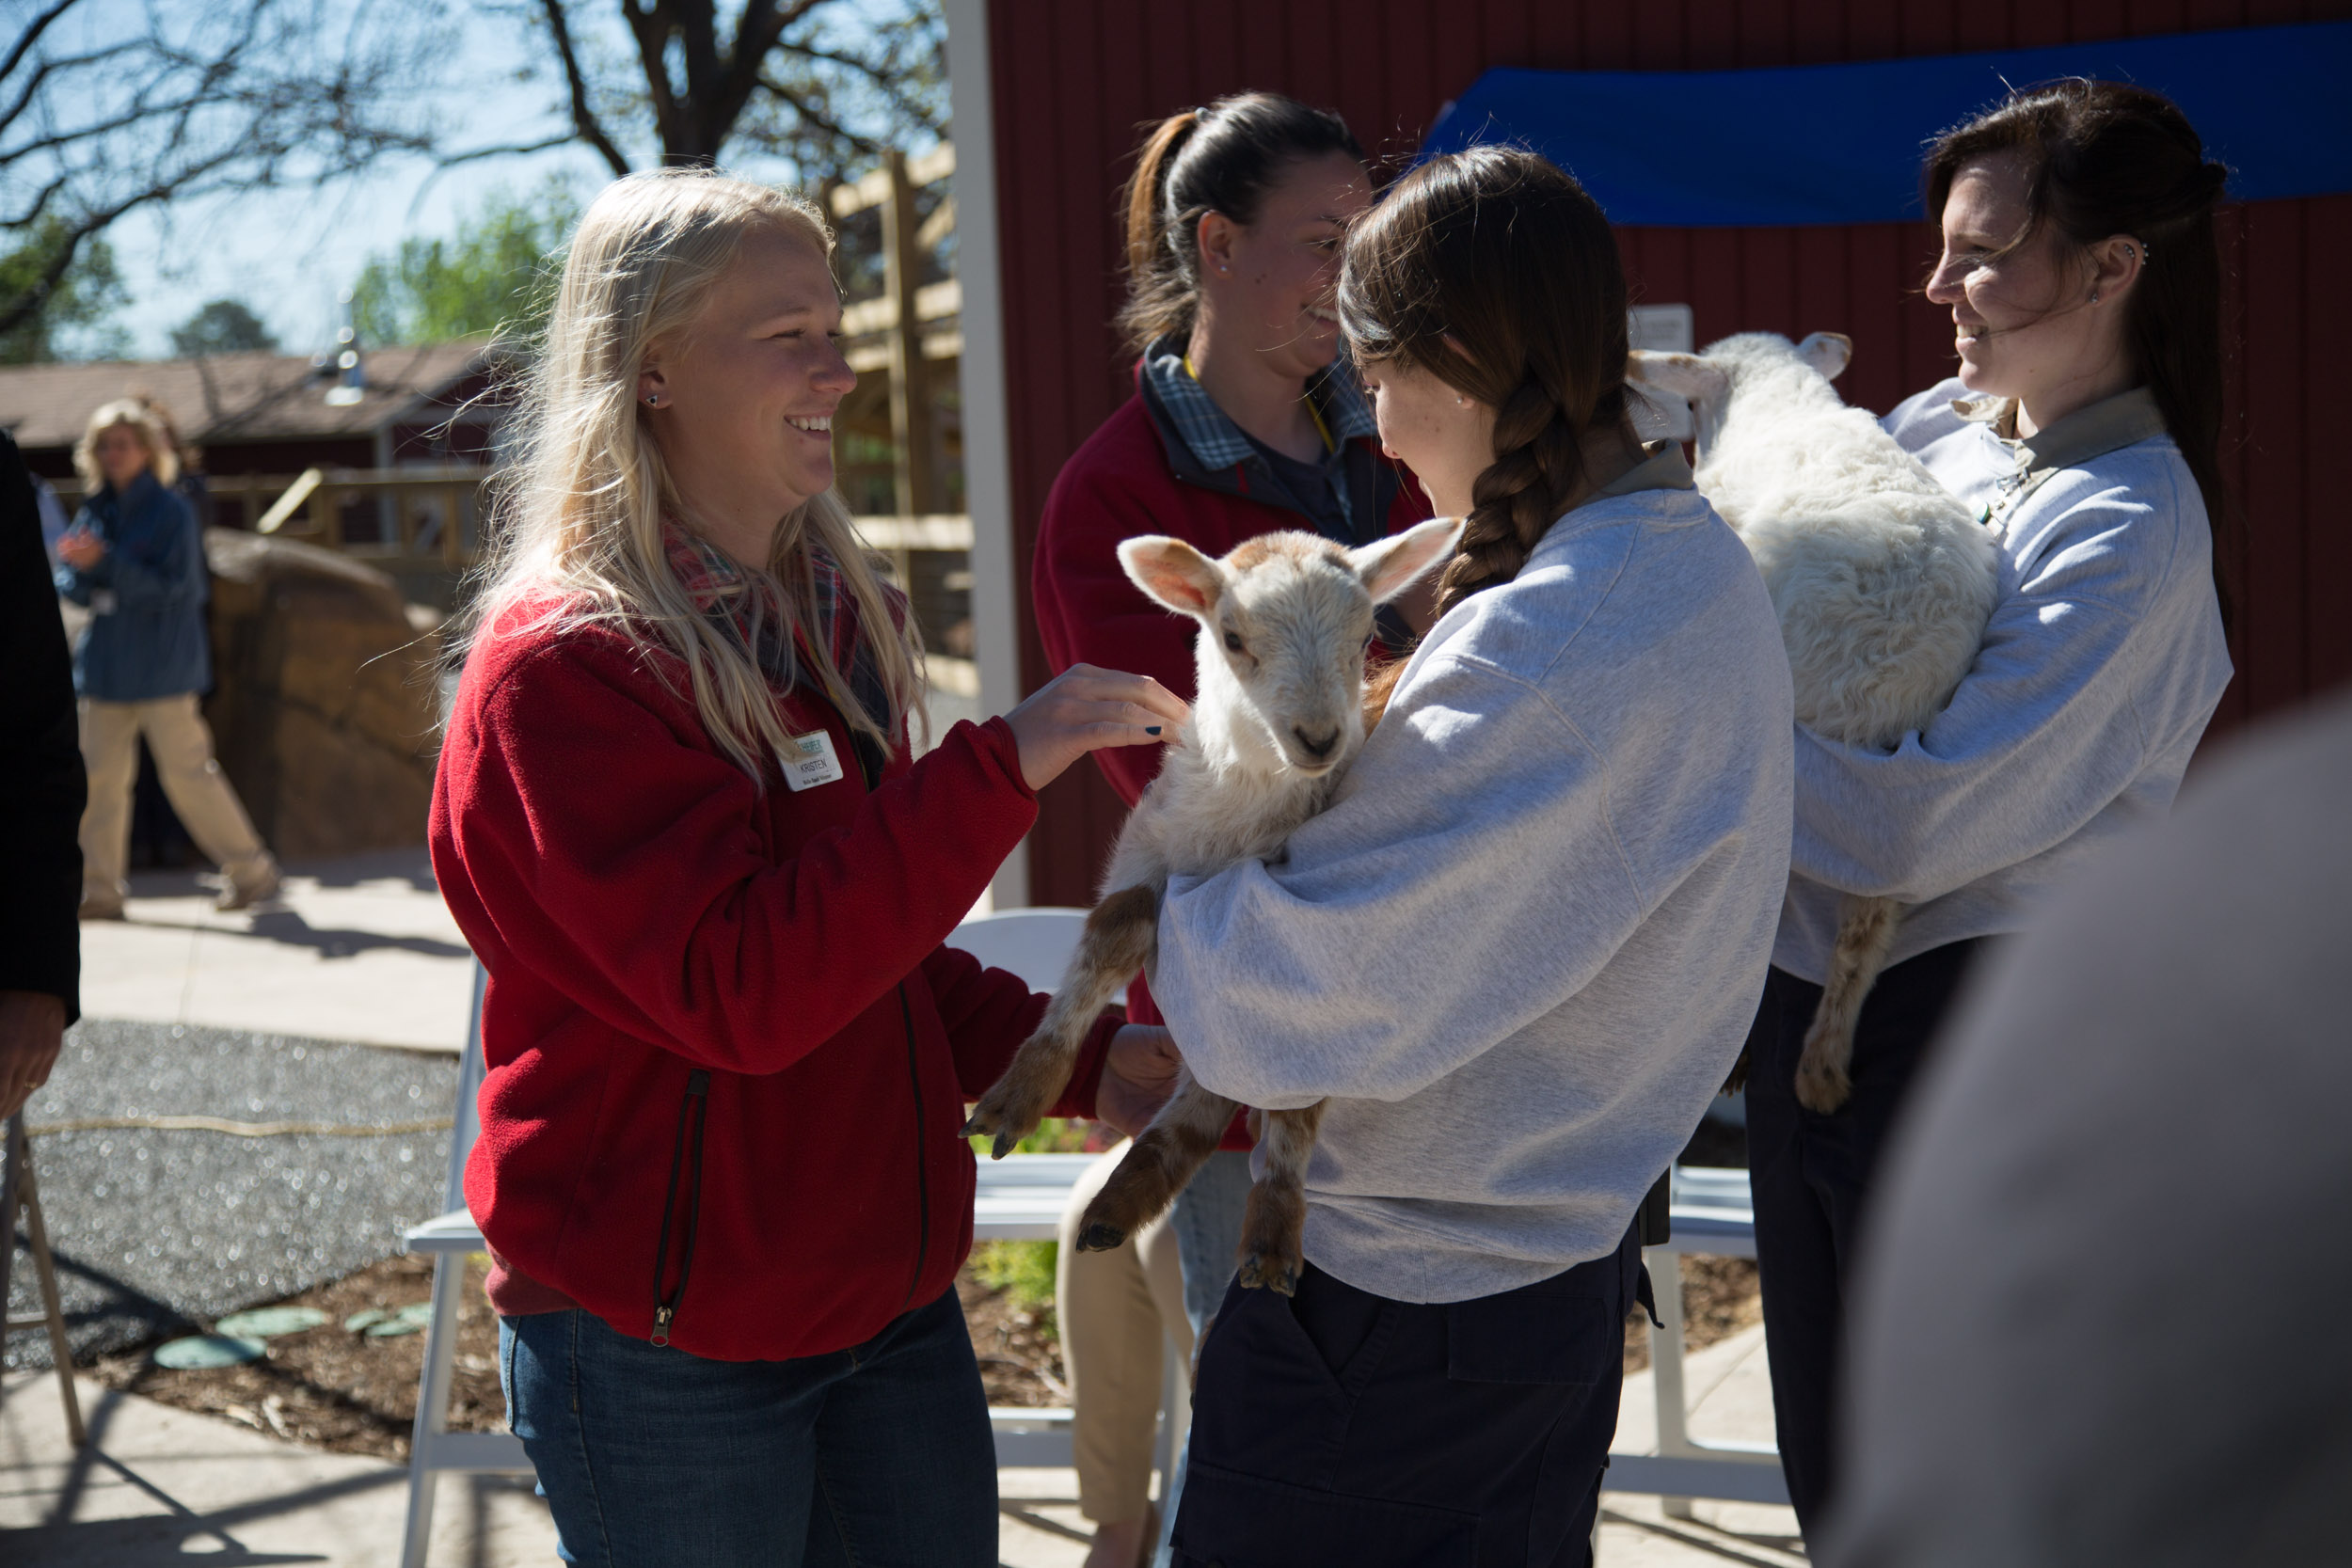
<point>1223,158</point>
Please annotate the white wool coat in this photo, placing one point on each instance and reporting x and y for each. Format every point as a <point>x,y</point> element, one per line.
<point>2102,665</point>
<point>1521,948</point>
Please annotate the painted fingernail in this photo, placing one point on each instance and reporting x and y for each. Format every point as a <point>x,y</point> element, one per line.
<point>1151,729</point>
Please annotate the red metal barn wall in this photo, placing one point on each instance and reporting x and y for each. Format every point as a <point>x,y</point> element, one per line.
<point>1073,79</point>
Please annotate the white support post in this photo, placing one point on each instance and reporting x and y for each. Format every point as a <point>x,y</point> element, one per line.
<point>987,437</point>
<point>1665,1360</point>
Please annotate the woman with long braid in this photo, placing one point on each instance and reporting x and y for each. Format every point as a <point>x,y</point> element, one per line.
<point>1514,954</point>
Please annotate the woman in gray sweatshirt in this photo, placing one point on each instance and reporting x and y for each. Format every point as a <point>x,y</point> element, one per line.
<point>1519,952</point>
<point>2083,285</point>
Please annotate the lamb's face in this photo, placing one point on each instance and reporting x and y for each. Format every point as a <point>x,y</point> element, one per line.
<point>1284,622</point>
<point>1290,633</point>
<point>1709,381</point>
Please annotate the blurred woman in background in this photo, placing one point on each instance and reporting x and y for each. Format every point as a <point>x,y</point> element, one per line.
<point>134,558</point>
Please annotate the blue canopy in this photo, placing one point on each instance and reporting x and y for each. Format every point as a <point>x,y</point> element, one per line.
<point>1843,143</point>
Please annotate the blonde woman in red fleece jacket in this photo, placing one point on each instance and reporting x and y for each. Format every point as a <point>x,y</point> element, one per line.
<point>679,820</point>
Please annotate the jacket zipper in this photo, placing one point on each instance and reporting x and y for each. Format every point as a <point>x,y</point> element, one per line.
<point>694,1104</point>
<point>922,1152</point>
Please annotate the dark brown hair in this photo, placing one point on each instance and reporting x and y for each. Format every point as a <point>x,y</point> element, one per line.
<point>2104,159</point>
<point>1495,272</point>
<point>1220,159</point>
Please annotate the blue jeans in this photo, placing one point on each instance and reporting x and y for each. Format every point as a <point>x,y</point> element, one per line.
<point>880,1455</point>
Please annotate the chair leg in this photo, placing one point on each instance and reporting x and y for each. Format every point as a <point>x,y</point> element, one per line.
<point>1666,1359</point>
<point>24,1196</point>
<point>433,1385</point>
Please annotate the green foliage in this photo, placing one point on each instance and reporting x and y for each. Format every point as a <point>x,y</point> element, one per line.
<point>1023,1270</point>
<point>1054,1135</point>
<point>498,274</point>
<point>75,321</point>
<point>222,327</point>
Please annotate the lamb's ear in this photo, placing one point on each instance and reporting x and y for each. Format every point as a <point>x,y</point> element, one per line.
<point>1829,352</point>
<point>1172,573</point>
<point>1683,375</point>
<point>1391,565</point>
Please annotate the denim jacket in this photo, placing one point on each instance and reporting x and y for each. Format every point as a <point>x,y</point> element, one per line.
<point>145,638</point>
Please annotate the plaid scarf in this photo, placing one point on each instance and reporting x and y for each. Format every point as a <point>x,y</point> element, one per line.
<point>729,596</point>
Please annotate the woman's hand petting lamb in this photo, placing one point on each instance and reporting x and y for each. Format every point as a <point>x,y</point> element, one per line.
<point>1084,708</point>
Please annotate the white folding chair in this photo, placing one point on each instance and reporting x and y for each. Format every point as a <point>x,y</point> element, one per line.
<point>1036,944</point>
<point>451,1237</point>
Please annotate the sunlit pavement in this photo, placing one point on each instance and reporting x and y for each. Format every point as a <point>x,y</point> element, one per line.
<point>355,949</point>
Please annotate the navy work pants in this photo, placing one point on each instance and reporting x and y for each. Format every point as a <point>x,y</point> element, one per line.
<point>1338,1427</point>
<point>1811,1176</point>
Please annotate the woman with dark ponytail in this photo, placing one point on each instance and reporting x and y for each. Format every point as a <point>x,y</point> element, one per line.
<point>1514,953</point>
<point>1243,422</point>
<point>2084,284</point>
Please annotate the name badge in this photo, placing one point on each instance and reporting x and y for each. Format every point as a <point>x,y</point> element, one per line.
<point>811,761</point>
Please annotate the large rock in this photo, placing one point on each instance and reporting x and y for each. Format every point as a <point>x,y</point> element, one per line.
<point>323,706</point>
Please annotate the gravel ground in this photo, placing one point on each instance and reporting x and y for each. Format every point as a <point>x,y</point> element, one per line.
<point>157,1231</point>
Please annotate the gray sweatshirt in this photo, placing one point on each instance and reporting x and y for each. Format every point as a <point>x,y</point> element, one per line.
<point>1522,947</point>
<point>2102,663</point>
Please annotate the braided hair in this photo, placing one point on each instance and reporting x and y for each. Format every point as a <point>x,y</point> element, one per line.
<point>2107,158</point>
<point>1493,270</point>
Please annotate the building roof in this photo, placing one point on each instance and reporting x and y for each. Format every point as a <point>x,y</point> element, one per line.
<point>236,397</point>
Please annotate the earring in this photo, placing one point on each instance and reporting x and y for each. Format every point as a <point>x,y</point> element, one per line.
<point>653,400</point>
<point>2094,296</point>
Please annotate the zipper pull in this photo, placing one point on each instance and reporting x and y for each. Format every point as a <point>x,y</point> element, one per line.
<point>661,1315</point>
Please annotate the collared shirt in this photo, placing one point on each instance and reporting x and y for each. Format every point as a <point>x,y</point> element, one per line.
<point>720,589</point>
<point>1662,468</point>
<point>2093,431</point>
<point>1340,410</point>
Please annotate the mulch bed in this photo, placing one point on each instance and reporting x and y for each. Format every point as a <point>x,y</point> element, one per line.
<point>344,1392</point>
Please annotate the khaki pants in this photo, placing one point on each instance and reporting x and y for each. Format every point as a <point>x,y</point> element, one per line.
<point>181,745</point>
<point>1117,1308</point>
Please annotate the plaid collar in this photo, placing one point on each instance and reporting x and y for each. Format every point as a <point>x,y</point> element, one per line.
<point>1215,440</point>
<point>724,591</point>
<point>711,578</point>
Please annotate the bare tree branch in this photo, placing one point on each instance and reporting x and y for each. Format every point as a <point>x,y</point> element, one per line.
<point>31,36</point>
<point>585,122</point>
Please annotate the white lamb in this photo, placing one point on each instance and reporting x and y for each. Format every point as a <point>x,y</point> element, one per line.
<point>1882,580</point>
<point>1279,668</point>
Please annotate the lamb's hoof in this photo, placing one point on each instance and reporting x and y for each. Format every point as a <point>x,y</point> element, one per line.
<point>1823,1090</point>
<point>1101,1236</point>
<point>991,1116</point>
<point>1260,1271</point>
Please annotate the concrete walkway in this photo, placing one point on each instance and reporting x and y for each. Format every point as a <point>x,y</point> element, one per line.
<point>359,949</point>
<point>1730,1390</point>
<point>159,1485</point>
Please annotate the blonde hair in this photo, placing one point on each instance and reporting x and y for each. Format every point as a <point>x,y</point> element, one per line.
<point>135,416</point>
<point>580,511</point>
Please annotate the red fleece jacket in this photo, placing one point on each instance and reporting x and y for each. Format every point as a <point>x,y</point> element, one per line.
<point>644,912</point>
